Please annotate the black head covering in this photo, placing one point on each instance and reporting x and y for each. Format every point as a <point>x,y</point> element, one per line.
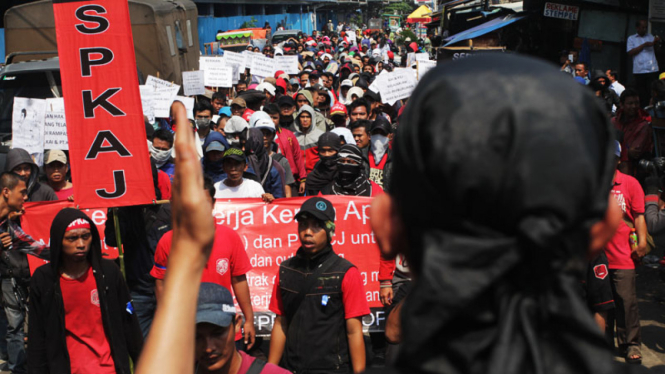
<point>513,165</point>
<point>351,179</point>
<point>325,169</point>
<point>257,156</point>
<point>58,227</point>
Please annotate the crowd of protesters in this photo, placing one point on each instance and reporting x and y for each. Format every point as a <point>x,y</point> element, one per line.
<point>438,208</point>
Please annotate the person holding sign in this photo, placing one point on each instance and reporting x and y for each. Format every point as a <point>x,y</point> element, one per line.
<point>318,291</point>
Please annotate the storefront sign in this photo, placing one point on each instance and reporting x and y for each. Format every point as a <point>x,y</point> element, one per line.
<point>561,11</point>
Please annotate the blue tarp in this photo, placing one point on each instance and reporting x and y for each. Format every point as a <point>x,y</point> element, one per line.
<point>482,29</point>
<point>208,26</point>
<point>2,44</point>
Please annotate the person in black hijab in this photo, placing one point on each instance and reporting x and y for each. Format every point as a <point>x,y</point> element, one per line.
<point>512,196</point>
<point>269,174</point>
<point>351,178</point>
<point>325,169</point>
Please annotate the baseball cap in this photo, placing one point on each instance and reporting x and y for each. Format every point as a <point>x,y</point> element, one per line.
<point>286,100</point>
<point>338,109</point>
<point>263,123</point>
<point>235,125</point>
<point>381,123</point>
<point>266,86</point>
<point>215,305</point>
<point>256,116</point>
<point>215,146</point>
<point>347,83</point>
<point>225,111</point>
<point>239,101</point>
<point>294,81</point>
<point>55,155</point>
<point>317,207</point>
<point>234,154</point>
<point>617,149</point>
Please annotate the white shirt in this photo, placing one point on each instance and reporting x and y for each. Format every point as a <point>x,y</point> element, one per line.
<point>645,61</point>
<point>248,188</point>
<point>617,87</point>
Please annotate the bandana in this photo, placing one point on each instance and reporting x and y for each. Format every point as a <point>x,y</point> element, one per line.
<point>78,223</point>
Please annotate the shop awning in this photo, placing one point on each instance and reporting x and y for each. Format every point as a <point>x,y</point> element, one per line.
<point>418,15</point>
<point>482,29</point>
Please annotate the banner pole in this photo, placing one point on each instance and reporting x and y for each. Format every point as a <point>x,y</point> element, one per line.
<point>118,239</point>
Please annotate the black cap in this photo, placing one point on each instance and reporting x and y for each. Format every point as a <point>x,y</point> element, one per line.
<point>286,100</point>
<point>318,208</point>
<point>234,154</point>
<point>374,96</point>
<point>381,123</point>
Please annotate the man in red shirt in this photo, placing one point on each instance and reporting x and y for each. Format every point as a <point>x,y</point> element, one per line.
<point>622,258</point>
<point>81,300</point>
<point>635,124</point>
<point>319,300</point>
<point>216,324</point>
<point>227,266</point>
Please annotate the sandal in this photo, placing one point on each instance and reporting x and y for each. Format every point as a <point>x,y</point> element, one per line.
<point>633,351</point>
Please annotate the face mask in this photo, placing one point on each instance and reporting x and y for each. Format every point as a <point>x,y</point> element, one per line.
<point>232,140</point>
<point>329,161</point>
<point>161,157</point>
<point>379,146</point>
<point>348,173</point>
<point>202,123</point>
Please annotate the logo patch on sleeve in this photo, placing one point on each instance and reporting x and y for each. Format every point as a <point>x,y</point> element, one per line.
<point>600,271</point>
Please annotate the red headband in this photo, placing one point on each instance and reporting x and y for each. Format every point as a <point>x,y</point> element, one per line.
<point>79,223</point>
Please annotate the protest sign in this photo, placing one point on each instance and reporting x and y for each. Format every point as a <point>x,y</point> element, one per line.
<point>270,235</point>
<point>249,56</point>
<point>55,126</point>
<point>105,127</point>
<point>162,99</point>
<point>148,102</point>
<point>28,124</point>
<point>410,58</point>
<point>424,67</point>
<point>216,72</point>
<point>288,64</point>
<point>189,105</point>
<point>157,83</point>
<point>192,83</point>
<point>234,58</point>
<point>424,56</point>
<point>396,85</point>
<point>262,66</point>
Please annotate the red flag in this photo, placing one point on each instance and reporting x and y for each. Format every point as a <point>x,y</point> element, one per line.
<point>105,128</point>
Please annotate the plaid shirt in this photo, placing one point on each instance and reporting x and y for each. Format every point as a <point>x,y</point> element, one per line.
<point>24,242</point>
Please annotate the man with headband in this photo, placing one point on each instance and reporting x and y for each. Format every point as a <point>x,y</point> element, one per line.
<point>319,300</point>
<point>81,317</point>
<point>511,201</point>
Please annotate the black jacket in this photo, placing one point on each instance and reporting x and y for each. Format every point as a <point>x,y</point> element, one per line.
<point>36,190</point>
<point>46,324</point>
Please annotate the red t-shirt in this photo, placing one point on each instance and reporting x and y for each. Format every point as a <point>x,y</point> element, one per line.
<point>630,196</point>
<point>164,184</point>
<point>353,296</point>
<point>89,350</point>
<point>268,369</point>
<point>227,259</point>
<point>64,193</point>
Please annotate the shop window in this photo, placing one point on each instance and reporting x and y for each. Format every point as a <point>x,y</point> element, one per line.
<point>602,25</point>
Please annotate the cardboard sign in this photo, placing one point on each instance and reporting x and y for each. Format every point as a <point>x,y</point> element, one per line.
<point>192,83</point>
<point>288,64</point>
<point>28,124</point>
<point>216,72</point>
<point>262,66</point>
<point>55,125</point>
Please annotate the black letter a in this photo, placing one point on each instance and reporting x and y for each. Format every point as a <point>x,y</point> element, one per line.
<point>120,186</point>
<point>114,145</point>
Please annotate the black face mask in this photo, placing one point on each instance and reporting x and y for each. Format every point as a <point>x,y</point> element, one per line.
<point>329,161</point>
<point>348,173</point>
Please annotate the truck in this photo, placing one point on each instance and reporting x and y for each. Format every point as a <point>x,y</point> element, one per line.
<point>165,37</point>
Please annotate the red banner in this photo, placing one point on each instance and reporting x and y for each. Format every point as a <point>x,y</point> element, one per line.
<point>105,128</point>
<point>270,235</point>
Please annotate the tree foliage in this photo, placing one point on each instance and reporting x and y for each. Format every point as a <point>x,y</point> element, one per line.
<point>403,7</point>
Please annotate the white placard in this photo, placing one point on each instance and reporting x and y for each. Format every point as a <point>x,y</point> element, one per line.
<point>157,83</point>
<point>424,67</point>
<point>249,56</point>
<point>162,100</point>
<point>192,83</point>
<point>216,72</point>
<point>234,58</point>
<point>351,37</point>
<point>148,102</point>
<point>28,125</point>
<point>422,56</point>
<point>410,58</point>
<point>396,85</point>
<point>55,125</point>
<point>262,66</point>
<point>288,64</point>
<point>189,105</point>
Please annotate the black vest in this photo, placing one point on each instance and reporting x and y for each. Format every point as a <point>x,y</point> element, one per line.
<point>316,339</point>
